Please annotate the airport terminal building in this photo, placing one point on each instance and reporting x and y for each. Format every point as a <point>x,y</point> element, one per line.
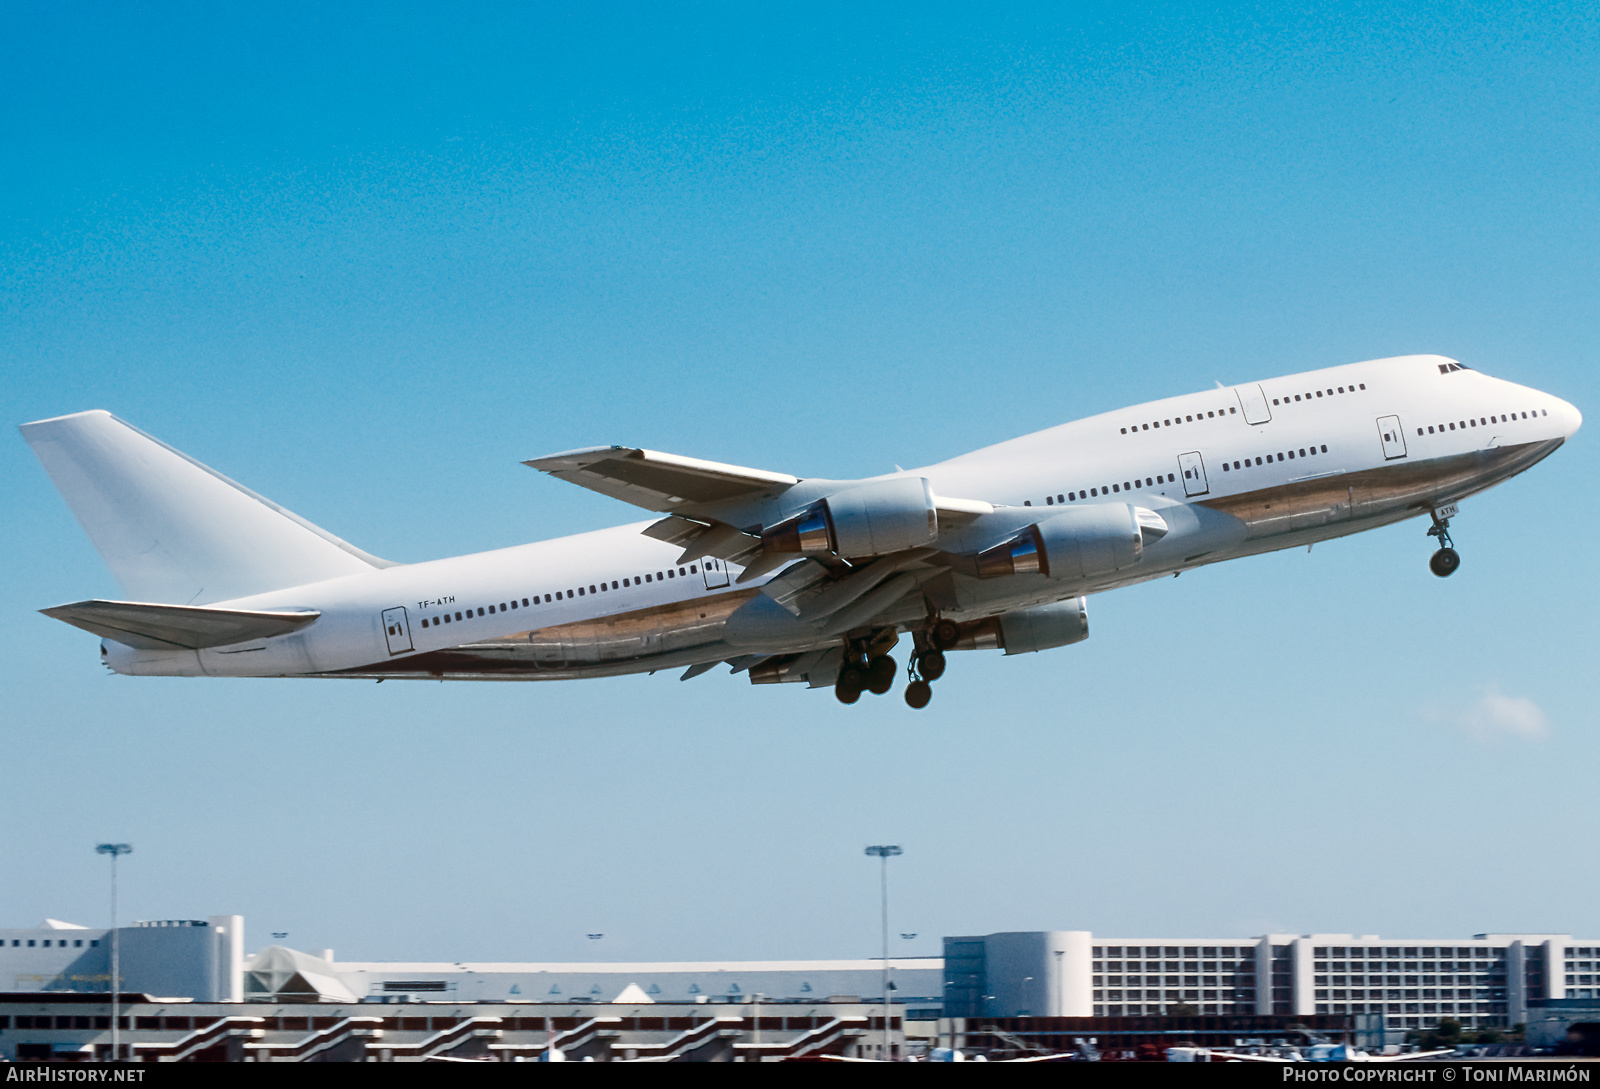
<point>1487,980</point>
<point>201,959</point>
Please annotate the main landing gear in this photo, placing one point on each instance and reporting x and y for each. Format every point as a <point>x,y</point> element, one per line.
<point>864,674</point>
<point>1445,561</point>
<point>868,667</point>
<point>927,664</point>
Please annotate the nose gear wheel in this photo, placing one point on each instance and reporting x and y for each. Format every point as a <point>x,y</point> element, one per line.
<point>1445,561</point>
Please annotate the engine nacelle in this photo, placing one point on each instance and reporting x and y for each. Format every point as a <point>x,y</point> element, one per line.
<point>866,520</point>
<point>1042,627</point>
<point>1023,631</point>
<point>1076,544</point>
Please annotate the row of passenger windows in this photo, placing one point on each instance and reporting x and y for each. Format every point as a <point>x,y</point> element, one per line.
<point>1150,482</point>
<point>561,595</point>
<point>1176,420</point>
<point>76,943</point>
<point>1317,393</point>
<point>1305,452</point>
<point>1485,421</point>
<point>1284,400</point>
<point>1105,489</point>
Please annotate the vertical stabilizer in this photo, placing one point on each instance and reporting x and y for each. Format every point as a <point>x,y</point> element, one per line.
<point>173,531</point>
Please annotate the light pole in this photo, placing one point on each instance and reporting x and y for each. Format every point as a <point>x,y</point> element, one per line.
<point>1061,987</point>
<point>883,853</point>
<point>115,850</point>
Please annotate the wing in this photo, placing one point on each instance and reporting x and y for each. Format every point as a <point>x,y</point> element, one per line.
<point>162,627</point>
<point>707,502</point>
<point>657,481</point>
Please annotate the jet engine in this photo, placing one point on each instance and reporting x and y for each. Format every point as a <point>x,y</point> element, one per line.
<point>1023,631</point>
<point>1075,544</point>
<point>871,519</point>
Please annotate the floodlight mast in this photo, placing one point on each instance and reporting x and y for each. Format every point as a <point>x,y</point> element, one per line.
<point>115,850</point>
<point>884,852</point>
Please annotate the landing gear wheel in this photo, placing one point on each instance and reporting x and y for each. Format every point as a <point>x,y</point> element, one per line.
<point>1444,562</point>
<point>880,675</point>
<point>918,693</point>
<point>944,634</point>
<point>849,685</point>
<point>931,665</point>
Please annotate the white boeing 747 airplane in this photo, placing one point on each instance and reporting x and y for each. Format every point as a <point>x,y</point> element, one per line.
<point>791,579</point>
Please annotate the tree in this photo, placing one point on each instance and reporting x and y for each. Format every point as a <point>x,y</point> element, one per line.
<point>1446,1034</point>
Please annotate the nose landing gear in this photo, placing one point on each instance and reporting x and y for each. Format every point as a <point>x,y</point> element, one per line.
<point>1446,560</point>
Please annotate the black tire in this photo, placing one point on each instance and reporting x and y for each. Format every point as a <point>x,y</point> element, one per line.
<point>880,675</point>
<point>918,693</point>
<point>945,634</point>
<point>1445,562</point>
<point>931,665</point>
<point>845,693</point>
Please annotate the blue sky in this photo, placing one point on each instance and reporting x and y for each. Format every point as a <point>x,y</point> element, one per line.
<point>366,260</point>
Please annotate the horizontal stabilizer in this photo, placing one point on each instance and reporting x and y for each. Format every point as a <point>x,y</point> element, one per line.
<point>162,627</point>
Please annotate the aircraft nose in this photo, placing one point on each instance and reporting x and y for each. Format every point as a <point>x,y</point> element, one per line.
<point>1571,419</point>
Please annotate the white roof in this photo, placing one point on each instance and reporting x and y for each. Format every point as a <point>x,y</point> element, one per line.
<point>873,964</point>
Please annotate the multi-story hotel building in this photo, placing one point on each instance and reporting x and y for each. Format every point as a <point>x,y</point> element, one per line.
<point>1488,980</point>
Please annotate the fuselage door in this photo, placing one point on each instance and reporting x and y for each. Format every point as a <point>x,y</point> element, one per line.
<point>1254,404</point>
<point>715,571</point>
<point>396,630</point>
<point>1194,474</point>
<point>1394,439</point>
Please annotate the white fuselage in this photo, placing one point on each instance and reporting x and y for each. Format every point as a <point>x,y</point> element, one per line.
<point>1233,471</point>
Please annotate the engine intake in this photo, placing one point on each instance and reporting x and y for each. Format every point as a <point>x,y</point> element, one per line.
<point>1076,544</point>
<point>866,520</point>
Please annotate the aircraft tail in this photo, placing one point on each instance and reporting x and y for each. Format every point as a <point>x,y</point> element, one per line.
<point>173,531</point>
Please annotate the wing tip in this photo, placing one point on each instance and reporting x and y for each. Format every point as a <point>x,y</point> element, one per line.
<point>576,458</point>
<point>33,425</point>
